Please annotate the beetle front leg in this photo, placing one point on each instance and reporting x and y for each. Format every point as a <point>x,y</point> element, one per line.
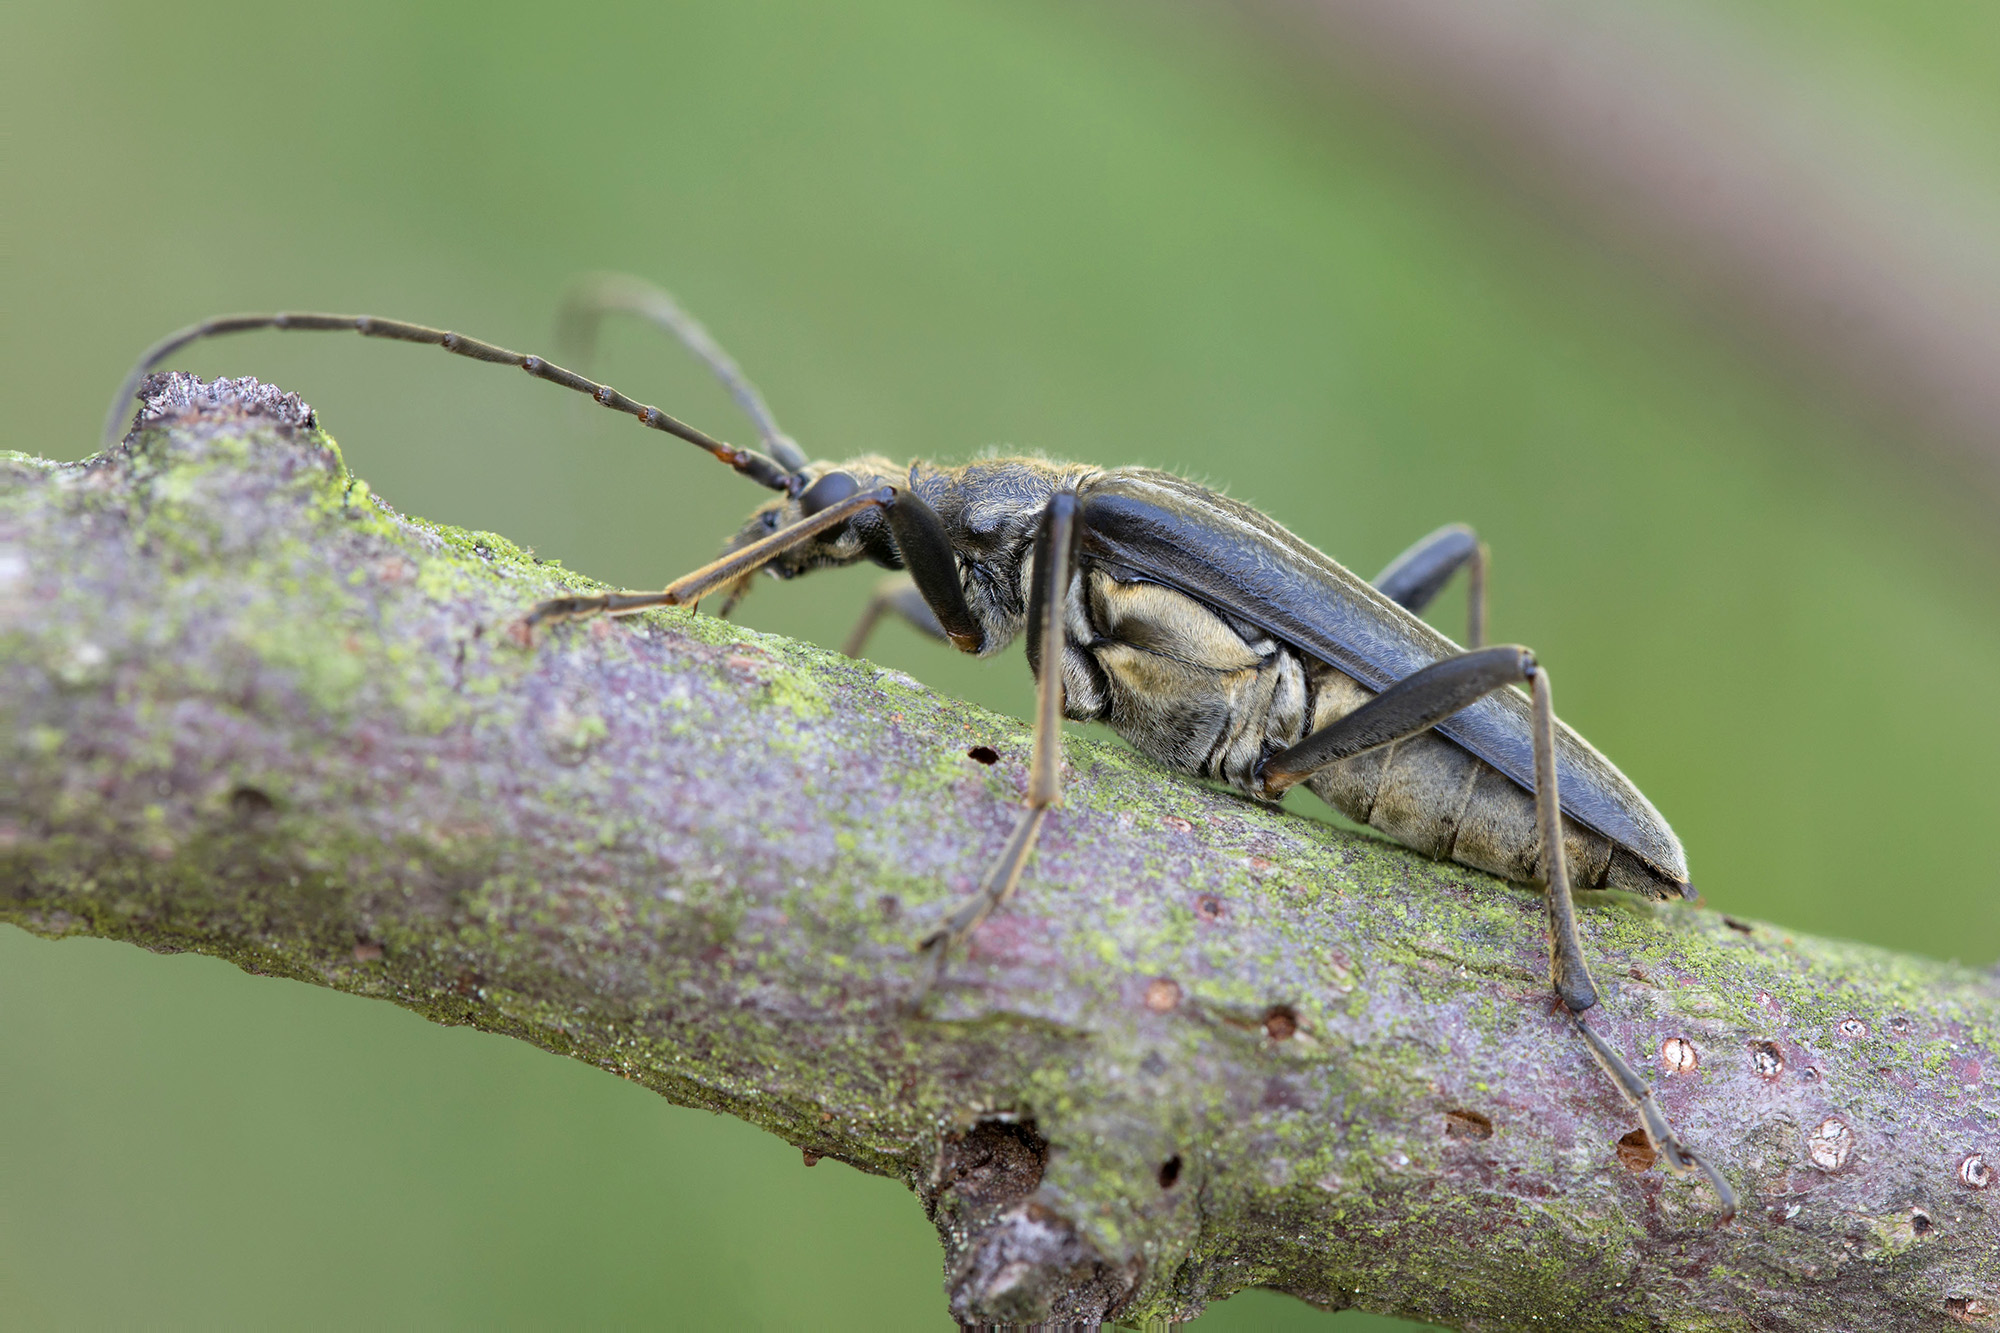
<point>927,552</point>
<point>897,596</point>
<point>1055,560</point>
<point>691,588</point>
<point>930,597</point>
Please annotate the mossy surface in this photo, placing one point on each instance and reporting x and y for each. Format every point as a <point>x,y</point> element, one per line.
<point>255,712</point>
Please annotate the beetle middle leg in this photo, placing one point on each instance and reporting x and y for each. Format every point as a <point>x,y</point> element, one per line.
<point>1422,700</point>
<point>1055,560</point>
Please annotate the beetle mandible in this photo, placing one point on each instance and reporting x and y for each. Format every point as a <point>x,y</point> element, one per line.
<point>1197,628</point>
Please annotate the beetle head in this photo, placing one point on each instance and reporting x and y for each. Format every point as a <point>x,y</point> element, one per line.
<point>864,537</point>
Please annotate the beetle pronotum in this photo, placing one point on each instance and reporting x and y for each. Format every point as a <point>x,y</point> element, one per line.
<point>1200,630</point>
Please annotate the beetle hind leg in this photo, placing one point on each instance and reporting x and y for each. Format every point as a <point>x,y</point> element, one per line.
<point>1639,1096</point>
<point>1419,702</point>
<point>1572,974</point>
<point>1422,700</point>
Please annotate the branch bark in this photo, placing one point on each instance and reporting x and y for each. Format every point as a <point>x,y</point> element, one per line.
<point>258,714</point>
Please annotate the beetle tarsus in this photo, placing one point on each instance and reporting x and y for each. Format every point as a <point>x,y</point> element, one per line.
<point>1659,1133</point>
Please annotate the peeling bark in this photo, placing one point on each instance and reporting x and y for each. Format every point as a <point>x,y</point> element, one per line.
<point>258,714</point>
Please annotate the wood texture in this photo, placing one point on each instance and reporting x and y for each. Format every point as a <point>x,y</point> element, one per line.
<point>258,714</point>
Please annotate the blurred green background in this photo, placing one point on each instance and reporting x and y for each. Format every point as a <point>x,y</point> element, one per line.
<point>1115,232</point>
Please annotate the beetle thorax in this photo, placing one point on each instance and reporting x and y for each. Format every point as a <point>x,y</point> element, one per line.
<point>991,509</point>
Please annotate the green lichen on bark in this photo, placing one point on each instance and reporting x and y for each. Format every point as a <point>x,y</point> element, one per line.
<point>258,714</point>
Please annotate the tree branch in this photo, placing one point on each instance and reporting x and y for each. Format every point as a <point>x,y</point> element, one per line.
<point>260,715</point>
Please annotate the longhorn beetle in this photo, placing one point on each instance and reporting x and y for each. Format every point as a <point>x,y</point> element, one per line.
<point>1201,631</point>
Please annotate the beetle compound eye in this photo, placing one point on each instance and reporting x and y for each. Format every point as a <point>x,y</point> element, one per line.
<point>828,491</point>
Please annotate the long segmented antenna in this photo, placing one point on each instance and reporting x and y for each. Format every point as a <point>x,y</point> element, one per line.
<point>760,469</point>
<point>599,294</point>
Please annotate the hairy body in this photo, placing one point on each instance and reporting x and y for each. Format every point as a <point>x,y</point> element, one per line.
<point>1205,633</point>
<point>1203,688</point>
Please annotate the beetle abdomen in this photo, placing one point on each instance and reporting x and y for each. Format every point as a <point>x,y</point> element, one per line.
<point>1179,681</point>
<point>1207,694</point>
<point>1432,795</point>
<point>1257,575</point>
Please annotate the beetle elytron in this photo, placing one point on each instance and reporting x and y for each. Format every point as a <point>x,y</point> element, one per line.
<point>1200,630</point>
